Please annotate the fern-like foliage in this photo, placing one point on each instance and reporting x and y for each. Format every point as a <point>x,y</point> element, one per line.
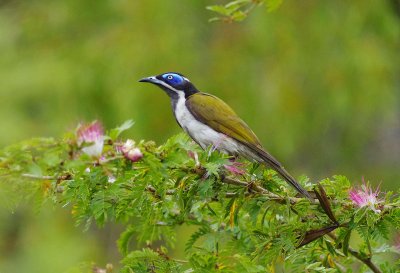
<point>238,10</point>
<point>248,221</point>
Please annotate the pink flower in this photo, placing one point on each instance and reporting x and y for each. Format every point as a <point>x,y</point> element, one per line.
<point>364,196</point>
<point>235,168</point>
<point>93,134</point>
<point>131,152</point>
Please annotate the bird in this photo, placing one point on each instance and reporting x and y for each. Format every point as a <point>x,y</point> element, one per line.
<point>209,121</point>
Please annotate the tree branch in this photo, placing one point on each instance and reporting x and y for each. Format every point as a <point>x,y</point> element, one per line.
<point>367,261</point>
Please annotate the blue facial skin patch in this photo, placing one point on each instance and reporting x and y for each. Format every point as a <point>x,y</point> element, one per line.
<point>172,78</point>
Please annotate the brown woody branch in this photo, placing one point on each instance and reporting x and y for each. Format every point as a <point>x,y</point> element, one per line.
<point>367,261</point>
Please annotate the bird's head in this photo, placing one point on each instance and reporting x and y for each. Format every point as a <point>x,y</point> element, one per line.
<point>174,84</point>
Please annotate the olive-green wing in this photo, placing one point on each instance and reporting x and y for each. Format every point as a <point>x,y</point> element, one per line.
<point>220,117</point>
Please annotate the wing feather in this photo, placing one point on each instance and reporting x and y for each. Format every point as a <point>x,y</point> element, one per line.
<point>219,116</point>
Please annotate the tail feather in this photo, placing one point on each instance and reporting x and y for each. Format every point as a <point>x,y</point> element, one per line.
<point>272,162</point>
<point>293,182</point>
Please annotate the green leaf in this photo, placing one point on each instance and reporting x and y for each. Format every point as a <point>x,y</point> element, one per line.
<point>360,215</point>
<point>147,260</point>
<point>114,133</point>
<point>203,230</point>
<point>35,169</point>
<point>273,5</point>
<point>238,3</point>
<point>346,240</point>
<point>124,239</point>
<point>219,9</point>
<point>205,188</point>
<point>244,264</point>
<point>238,16</point>
<point>330,248</point>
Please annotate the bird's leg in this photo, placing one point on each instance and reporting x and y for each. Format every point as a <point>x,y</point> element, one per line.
<point>250,186</point>
<point>233,158</point>
<point>216,144</point>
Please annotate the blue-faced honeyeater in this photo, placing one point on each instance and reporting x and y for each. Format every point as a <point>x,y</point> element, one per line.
<point>210,121</point>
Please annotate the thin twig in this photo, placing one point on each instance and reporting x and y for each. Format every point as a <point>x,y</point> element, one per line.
<point>42,177</point>
<point>253,187</point>
<point>367,261</point>
<point>257,188</point>
<point>102,161</point>
<point>60,178</point>
<point>180,261</point>
<point>153,190</point>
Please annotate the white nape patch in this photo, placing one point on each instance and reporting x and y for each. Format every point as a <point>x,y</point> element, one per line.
<point>203,134</point>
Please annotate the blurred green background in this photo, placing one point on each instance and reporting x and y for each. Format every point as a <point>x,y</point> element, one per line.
<point>318,81</point>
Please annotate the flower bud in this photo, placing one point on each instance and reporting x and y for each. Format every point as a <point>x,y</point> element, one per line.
<point>131,152</point>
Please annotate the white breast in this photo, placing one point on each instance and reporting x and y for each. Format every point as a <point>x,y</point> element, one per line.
<point>201,133</point>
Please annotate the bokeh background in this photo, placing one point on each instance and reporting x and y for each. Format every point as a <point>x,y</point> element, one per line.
<point>318,81</point>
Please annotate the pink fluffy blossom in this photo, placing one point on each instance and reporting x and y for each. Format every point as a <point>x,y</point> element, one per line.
<point>365,196</point>
<point>92,134</point>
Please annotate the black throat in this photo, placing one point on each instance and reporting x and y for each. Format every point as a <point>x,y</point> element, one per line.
<point>190,89</point>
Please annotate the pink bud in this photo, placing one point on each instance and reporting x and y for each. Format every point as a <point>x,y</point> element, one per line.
<point>131,152</point>
<point>134,155</point>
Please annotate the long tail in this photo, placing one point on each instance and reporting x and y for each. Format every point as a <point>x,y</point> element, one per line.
<point>272,162</point>
<point>293,182</point>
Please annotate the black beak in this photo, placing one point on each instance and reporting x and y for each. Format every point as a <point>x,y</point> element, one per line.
<point>151,79</point>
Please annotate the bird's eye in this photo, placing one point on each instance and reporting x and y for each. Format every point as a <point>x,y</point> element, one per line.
<point>172,78</point>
